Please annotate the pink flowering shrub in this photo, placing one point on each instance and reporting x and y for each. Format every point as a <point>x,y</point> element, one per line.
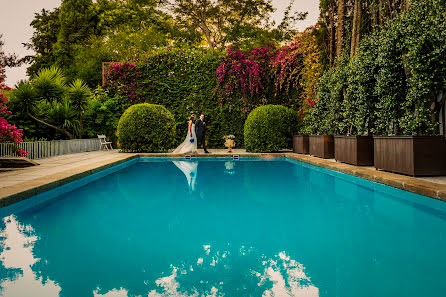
<point>286,68</point>
<point>260,75</point>
<point>9,133</point>
<point>243,74</point>
<point>124,77</point>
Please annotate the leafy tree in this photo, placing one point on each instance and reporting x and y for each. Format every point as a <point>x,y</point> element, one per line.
<point>223,22</point>
<point>77,24</point>
<point>10,60</point>
<point>46,27</point>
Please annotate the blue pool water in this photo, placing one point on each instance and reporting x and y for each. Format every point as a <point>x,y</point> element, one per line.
<point>217,227</point>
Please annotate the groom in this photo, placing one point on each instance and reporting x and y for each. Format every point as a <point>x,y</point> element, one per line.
<point>200,131</point>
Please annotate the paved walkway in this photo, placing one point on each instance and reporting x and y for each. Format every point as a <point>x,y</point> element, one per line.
<point>53,165</point>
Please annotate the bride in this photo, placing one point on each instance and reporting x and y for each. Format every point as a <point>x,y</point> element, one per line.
<point>189,145</point>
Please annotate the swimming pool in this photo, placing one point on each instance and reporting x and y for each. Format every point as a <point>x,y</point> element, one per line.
<point>218,227</point>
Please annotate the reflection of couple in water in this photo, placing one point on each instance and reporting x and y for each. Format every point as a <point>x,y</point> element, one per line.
<point>189,169</point>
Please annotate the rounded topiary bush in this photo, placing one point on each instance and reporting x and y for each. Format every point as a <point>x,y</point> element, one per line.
<point>146,128</point>
<point>270,128</point>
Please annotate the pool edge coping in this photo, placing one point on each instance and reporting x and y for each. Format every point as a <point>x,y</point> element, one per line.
<point>12,194</point>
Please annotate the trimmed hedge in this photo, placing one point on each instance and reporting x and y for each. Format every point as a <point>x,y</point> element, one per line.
<point>270,128</point>
<point>146,128</point>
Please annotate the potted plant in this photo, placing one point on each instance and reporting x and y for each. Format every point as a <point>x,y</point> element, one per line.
<point>229,142</point>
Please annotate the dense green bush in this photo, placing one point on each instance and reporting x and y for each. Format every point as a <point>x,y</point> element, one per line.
<point>325,117</point>
<point>146,128</point>
<point>394,85</point>
<point>103,114</point>
<point>270,128</point>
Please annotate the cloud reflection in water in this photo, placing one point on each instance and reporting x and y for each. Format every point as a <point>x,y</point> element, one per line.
<point>17,253</point>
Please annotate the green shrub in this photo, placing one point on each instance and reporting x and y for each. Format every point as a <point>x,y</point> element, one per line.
<point>146,128</point>
<point>326,116</point>
<point>270,128</point>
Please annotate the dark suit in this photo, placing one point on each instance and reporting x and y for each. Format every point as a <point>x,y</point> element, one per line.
<point>200,131</point>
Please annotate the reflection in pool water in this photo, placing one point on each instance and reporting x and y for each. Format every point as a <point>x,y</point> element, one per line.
<point>189,168</point>
<point>243,228</point>
<point>17,253</point>
<point>287,276</point>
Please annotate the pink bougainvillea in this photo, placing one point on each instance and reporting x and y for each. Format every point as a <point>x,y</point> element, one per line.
<point>244,73</point>
<point>9,133</point>
<point>286,68</point>
<point>249,73</point>
<point>122,76</point>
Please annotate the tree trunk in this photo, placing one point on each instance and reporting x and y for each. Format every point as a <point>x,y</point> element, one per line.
<point>381,12</point>
<point>356,32</point>
<point>340,29</point>
<point>80,126</point>
<point>70,136</point>
<point>331,38</point>
<point>374,12</point>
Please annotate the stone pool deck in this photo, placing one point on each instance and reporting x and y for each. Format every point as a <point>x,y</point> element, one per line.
<point>19,184</point>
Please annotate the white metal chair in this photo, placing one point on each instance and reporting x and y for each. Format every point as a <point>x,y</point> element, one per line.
<point>104,142</point>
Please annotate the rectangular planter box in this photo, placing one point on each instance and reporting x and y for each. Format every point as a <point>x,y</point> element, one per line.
<point>322,146</point>
<point>411,155</point>
<point>355,150</point>
<point>301,144</point>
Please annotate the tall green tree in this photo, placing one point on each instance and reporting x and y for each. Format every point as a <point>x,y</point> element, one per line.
<point>223,22</point>
<point>77,23</point>
<point>46,27</point>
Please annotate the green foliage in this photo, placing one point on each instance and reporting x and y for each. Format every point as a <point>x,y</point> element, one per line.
<point>49,84</point>
<point>76,26</point>
<point>245,23</point>
<point>325,118</point>
<point>146,128</point>
<point>47,100</point>
<point>393,85</point>
<point>360,99</point>
<point>46,27</point>
<point>183,82</point>
<point>270,128</point>
<point>103,113</point>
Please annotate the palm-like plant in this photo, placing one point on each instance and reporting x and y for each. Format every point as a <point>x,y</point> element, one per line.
<point>43,99</point>
<point>78,94</point>
<point>50,84</point>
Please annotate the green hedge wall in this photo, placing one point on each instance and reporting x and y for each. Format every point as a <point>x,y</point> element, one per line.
<point>184,82</point>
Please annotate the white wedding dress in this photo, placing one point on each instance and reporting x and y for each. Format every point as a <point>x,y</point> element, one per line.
<point>187,146</point>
